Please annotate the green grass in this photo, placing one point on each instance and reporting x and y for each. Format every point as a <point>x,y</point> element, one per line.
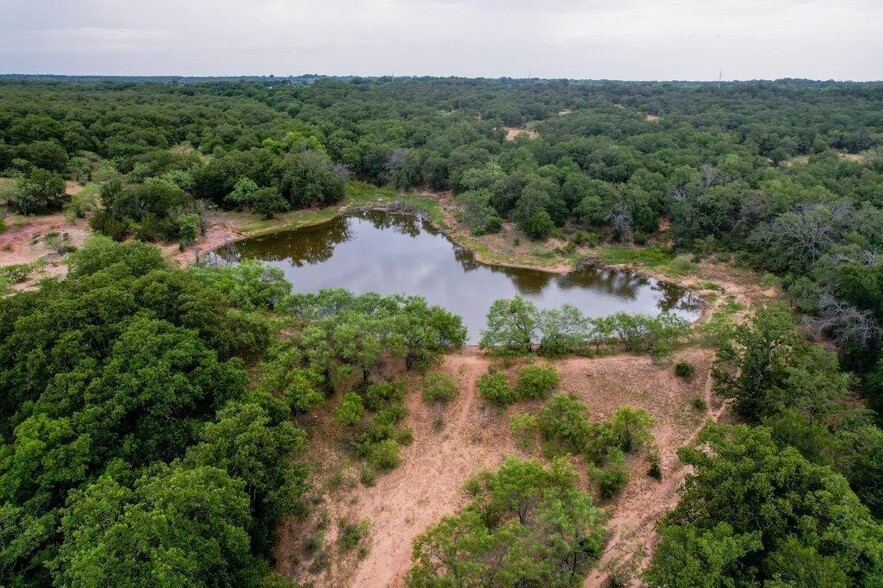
<point>650,257</point>
<point>647,256</point>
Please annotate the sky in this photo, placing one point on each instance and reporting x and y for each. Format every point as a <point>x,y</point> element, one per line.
<point>594,39</point>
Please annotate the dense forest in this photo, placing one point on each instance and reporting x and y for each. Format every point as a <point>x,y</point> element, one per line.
<point>150,421</point>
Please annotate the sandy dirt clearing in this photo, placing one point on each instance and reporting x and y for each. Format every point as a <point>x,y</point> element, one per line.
<point>513,132</point>
<point>428,483</point>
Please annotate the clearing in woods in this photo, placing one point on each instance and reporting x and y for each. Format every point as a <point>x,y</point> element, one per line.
<point>428,484</point>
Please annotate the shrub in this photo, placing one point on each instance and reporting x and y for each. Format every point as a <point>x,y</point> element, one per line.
<point>382,395</point>
<point>699,404</point>
<point>188,228</point>
<point>614,475</point>
<point>439,387</point>
<point>630,428</point>
<point>536,382</point>
<point>268,202</point>
<point>655,468</point>
<point>102,222</point>
<point>684,369</point>
<point>564,425</point>
<point>384,455</point>
<point>524,429</point>
<point>682,265</point>
<point>495,389</point>
<point>16,273</point>
<point>59,243</point>
<point>368,476</point>
<point>350,410</point>
<point>350,534</point>
<point>539,225</point>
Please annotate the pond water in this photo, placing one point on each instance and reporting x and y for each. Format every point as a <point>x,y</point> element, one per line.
<point>391,253</point>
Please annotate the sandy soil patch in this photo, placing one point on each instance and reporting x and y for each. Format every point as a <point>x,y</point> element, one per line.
<point>220,231</point>
<point>513,132</point>
<point>858,157</point>
<point>72,188</point>
<point>24,241</point>
<point>564,111</point>
<point>428,483</point>
<point>652,118</point>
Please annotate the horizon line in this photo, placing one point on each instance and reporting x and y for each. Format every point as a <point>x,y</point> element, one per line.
<point>422,76</point>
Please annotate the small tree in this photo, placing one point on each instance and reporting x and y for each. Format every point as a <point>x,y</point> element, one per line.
<point>511,326</point>
<point>267,202</point>
<point>564,425</point>
<point>39,193</point>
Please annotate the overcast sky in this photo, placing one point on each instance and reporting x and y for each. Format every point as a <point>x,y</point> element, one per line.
<point>617,39</point>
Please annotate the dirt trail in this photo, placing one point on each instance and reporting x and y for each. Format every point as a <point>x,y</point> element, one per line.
<point>633,525</point>
<point>428,484</point>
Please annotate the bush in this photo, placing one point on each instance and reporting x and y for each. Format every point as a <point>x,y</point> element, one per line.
<point>682,265</point>
<point>630,428</point>
<point>495,389</point>
<point>102,222</point>
<point>350,410</point>
<point>684,369</point>
<point>655,469</point>
<point>382,395</point>
<point>539,225</point>
<point>39,193</point>
<point>699,404</point>
<point>16,273</point>
<point>614,476</point>
<point>439,387</point>
<point>350,534</point>
<point>384,455</point>
<point>268,202</point>
<point>524,428</point>
<point>368,476</point>
<point>60,243</point>
<point>564,425</point>
<point>536,382</point>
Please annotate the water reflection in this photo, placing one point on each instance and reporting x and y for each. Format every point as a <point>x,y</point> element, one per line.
<point>400,253</point>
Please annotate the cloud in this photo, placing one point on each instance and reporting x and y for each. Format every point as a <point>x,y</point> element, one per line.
<point>624,39</point>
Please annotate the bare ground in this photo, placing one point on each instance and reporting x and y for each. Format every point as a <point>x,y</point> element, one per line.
<point>24,242</point>
<point>513,132</point>
<point>427,485</point>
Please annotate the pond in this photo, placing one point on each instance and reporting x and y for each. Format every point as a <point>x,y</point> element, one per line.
<point>391,253</point>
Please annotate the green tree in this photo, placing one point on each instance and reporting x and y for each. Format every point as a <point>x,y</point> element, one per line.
<point>755,360</point>
<point>812,523</point>
<point>40,192</point>
<point>524,525</point>
<point>176,527</point>
<point>494,388</point>
<point>511,326</point>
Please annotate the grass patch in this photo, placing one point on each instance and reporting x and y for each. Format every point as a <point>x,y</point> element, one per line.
<point>653,256</point>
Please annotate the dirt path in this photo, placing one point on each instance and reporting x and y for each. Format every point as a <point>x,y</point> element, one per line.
<point>428,485</point>
<point>633,536</point>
